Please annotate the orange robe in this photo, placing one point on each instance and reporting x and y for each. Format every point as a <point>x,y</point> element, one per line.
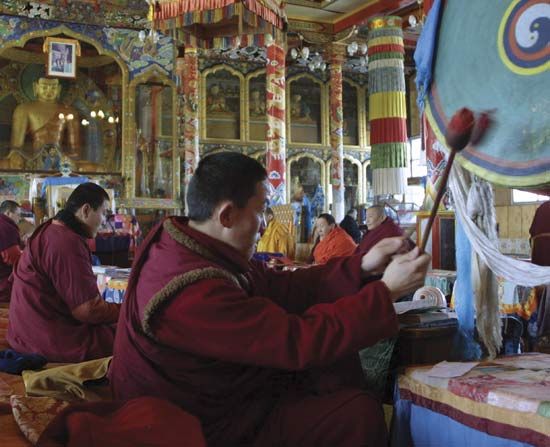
<point>276,239</point>
<point>336,243</point>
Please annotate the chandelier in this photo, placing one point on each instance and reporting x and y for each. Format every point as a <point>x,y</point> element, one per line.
<point>304,56</point>
<point>360,50</point>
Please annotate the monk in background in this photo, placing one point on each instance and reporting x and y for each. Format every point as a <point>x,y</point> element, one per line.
<point>56,309</point>
<point>276,237</point>
<point>349,225</point>
<point>380,226</point>
<point>10,245</point>
<point>333,240</point>
<point>540,235</point>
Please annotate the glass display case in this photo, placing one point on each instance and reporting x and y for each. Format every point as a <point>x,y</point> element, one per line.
<point>154,164</point>
<point>306,110</point>
<point>351,182</point>
<point>350,99</point>
<point>221,101</point>
<point>257,118</point>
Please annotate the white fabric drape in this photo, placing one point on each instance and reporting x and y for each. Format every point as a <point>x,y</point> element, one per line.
<point>389,181</point>
<point>518,272</point>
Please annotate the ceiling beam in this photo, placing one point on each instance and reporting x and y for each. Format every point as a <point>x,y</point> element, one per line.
<point>381,7</point>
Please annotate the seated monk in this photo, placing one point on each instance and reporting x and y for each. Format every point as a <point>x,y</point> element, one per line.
<point>41,119</point>
<point>276,238</point>
<point>333,241</point>
<point>349,225</point>
<point>56,309</point>
<point>241,346</point>
<point>10,245</point>
<point>540,235</point>
<point>380,226</point>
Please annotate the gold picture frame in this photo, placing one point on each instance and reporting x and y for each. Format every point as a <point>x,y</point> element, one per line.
<point>61,60</point>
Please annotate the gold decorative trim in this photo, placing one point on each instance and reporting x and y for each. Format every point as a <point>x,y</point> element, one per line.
<point>191,244</point>
<point>188,242</point>
<point>175,285</point>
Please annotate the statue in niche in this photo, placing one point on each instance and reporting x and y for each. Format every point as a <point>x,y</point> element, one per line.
<point>257,103</point>
<point>299,110</point>
<point>215,101</point>
<point>48,122</point>
<point>143,166</point>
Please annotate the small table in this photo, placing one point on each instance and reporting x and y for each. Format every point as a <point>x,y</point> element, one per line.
<point>111,288</point>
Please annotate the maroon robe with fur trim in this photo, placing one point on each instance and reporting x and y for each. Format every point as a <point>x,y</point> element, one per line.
<point>223,338</point>
<point>9,237</point>
<point>53,278</point>
<point>540,235</point>
<point>388,228</point>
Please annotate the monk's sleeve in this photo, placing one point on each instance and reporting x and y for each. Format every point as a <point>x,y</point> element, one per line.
<point>298,290</point>
<point>11,255</point>
<point>216,319</point>
<point>75,282</point>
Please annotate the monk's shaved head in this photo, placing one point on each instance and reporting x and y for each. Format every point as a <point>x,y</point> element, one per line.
<point>378,209</point>
<point>225,176</point>
<point>375,216</point>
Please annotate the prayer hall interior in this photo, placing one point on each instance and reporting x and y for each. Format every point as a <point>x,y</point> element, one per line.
<point>356,110</point>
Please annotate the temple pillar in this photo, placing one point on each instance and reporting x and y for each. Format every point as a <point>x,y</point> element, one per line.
<point>276,130</point>
<point>387,105</point>
<point>187,69</point>
<point>337,132</point>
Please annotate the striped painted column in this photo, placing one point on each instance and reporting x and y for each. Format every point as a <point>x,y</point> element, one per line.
<point>190,90</point>
<point>276,130</point>
<point>337,132</point>
<point>387,106</point>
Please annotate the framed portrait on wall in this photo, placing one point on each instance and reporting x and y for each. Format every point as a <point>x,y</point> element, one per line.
<point>61,61</point>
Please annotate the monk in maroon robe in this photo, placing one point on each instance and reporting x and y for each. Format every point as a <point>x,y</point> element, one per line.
<point>243,347</point>
<point>10,245</point>
<point>540,235</point>
<point>55,308</point>
<point>380,226</point>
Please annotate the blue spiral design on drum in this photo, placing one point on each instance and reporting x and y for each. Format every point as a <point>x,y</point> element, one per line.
<point>524,36</point>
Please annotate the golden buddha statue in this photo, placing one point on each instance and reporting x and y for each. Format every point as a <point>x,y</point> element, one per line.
<point>47,121</point>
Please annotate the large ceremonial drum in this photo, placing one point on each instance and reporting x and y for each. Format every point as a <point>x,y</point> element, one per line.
<point>495,55</point>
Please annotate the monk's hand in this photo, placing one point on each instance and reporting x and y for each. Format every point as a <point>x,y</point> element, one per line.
<point>406,273</point>
<point>378,257</point>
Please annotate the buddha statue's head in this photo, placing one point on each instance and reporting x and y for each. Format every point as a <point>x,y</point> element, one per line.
<point>46,89</point>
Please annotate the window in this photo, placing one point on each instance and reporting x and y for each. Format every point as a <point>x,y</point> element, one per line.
<point>519,196</point>
<point>415,194</point>
<point>418,170</point>
<point>417,158</point>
